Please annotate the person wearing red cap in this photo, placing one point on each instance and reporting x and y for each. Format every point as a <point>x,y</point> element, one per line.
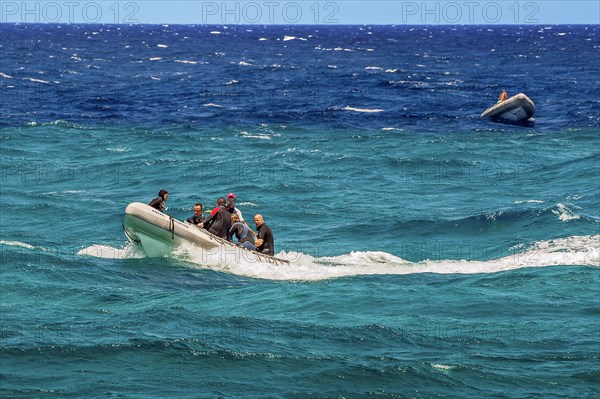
<point>233,210</point>
<point>231,207</point>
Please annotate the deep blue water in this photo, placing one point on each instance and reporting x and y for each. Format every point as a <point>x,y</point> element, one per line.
<point>434,253</point>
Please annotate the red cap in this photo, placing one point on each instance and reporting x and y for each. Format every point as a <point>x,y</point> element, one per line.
<point>231,195</point>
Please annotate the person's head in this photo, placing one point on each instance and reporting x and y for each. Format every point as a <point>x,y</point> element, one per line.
<point>197,209</point>
<point>221,201</point>
<point>164,194</point>
<point>258,220</point>
<point>230,199</point>
<point>235,218</point>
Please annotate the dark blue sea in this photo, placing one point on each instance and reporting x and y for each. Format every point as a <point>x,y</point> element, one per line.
<point>434,254</point>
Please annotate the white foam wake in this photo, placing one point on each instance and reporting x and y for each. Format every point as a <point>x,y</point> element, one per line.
<point>365,110</point>
<point>17,244</point>
<point>130,251</point>
<point>575,250</point>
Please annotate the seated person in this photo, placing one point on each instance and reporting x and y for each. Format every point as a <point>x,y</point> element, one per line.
<point>197,217</point>
<point>219,221</point>
<point>241,232</point>
<point>160,203</point>
<point>231,207</point>
<point>264,243</point>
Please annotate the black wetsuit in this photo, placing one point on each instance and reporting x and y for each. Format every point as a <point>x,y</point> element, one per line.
<point>218,223</point>
<point>158,203</point>
<point>241,232</point>
<point>266,234</point>
<point>195,219</point>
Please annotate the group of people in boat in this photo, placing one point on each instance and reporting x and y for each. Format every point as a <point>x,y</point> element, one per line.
<point>226,221</point>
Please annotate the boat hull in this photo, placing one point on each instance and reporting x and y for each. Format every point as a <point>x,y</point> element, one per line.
<point>158,233</point>
<point>518,108</point>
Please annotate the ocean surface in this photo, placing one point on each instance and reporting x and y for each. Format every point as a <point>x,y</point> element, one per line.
<point>433,254</point>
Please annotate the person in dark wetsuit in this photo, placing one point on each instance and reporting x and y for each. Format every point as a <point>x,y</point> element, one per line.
<point>159,203</point>
<point>197,217</point>
<point>264,243</point>
<point>219,221</point>
<point>241,232</point>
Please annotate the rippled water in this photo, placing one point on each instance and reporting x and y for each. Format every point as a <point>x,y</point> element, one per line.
<point>433,253</point>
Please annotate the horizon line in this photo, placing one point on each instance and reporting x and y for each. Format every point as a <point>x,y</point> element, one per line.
<point>277,24</point>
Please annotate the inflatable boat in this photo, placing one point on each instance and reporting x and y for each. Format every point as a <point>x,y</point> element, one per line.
<point>158,233</point>
<point>518,108</point>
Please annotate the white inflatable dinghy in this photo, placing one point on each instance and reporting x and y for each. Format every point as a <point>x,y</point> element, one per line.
<point>518,108</point>
<point>158,233</point>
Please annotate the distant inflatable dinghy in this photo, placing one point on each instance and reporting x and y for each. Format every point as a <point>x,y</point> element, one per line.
<point>158,233</point>
<point>516,109</point>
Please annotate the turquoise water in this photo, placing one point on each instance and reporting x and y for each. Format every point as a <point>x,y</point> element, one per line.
<point>433,254</point>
